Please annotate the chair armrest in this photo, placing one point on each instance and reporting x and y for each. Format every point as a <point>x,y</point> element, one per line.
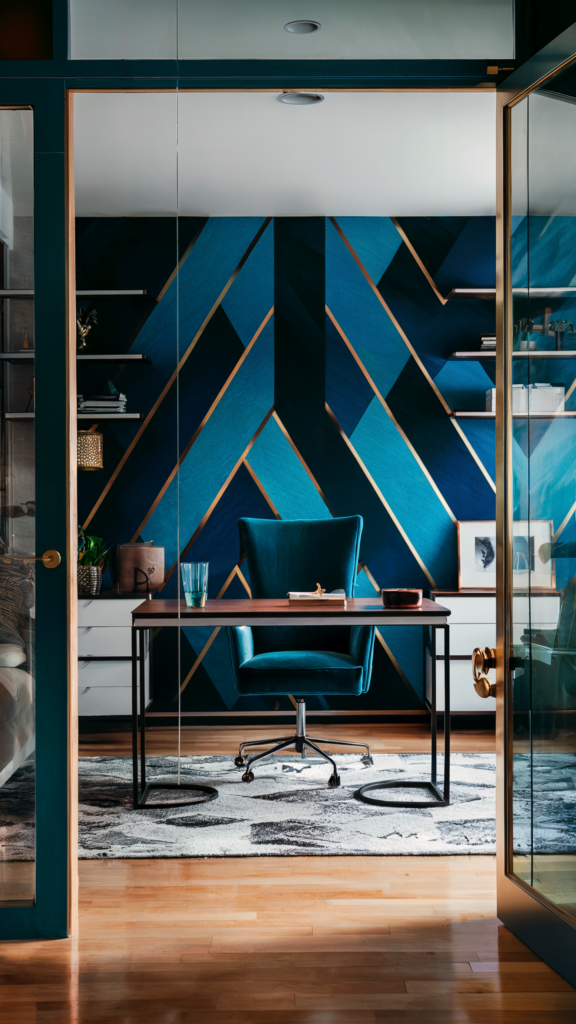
<point>240,645</point>
<point>362,650</point>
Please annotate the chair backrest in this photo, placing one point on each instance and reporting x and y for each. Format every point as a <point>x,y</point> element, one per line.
<point>296,554</point>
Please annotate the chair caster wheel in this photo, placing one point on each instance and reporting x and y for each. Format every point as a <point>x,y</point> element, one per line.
<point>334,781</point>
<point>239,761</point>
<point>248,777</point>
<point>368,760</point>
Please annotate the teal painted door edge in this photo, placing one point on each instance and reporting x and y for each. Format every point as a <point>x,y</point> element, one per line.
<point>48,918</point>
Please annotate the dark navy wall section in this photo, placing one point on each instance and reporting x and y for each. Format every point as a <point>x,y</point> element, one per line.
<point>314,380</point>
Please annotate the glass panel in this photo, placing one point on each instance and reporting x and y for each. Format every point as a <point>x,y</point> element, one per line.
<point>17,497</point>
<point>194,29</point>
<point>544,546</point>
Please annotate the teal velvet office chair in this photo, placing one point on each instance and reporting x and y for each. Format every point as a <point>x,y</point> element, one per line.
<point>300,660</point>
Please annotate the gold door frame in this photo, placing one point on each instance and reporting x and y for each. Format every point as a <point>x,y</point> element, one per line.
<point>542,925</point>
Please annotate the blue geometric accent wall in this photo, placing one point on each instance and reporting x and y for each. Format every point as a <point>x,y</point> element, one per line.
<point>299,368</point>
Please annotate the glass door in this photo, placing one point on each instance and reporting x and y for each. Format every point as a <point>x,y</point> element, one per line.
<point>37,531</point>
<point>538,569</point>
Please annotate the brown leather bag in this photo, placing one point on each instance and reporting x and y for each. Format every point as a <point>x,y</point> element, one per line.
<point>140,568</point>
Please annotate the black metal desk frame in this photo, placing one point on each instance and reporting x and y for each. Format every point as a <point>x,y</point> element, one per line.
<point>441,799</point>
<point>142,789</point>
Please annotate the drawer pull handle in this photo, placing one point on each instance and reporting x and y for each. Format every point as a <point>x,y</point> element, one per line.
<point>482,661</point>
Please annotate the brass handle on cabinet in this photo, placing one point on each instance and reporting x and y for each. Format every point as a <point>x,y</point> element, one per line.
<point>50,559</point>
<point>482,661</point>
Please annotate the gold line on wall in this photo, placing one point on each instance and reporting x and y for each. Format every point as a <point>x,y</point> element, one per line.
<point>409,246</point>
<point>202,424</point>
<point>564,522</point>
<point>167,387</point>
<point>298,455</point>
<point>390,314</point>
<point>385,405</point>
<point>183,259</point>
<point>400,671</point>
<point>215,501</point>
<point>261,489</point>
<point>198,661</point>
<point>402,674</point>
<point>476,457</point>
<point>372,481</point>
<point>235,572</point>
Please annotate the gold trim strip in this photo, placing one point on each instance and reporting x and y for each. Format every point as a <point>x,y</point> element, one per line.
<point>214,634</point>
<point>399,670</point>
<point>476,457</point>
<point>385,405</point>
<point>409,245</point>
<point>242,579</point>
<point>167,387</point>
<point>301,460</point>
<point>201,425</point>
<point>362,565</point>
<point>390,314</point>
<point>200,657</point>
<point>261,489</point>
<point>183,260</point>
<point>369,477</point>
<point>564,523</point>
<point>215,501</point>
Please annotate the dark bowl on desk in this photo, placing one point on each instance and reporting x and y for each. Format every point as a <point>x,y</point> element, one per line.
<point>402,597</point>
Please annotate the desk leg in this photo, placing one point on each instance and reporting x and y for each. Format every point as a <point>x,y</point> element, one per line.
<point>141,788</point>
<point>441,799</point>
<point>134,718</point>
<point>446,714</point>
<point>142,672</point>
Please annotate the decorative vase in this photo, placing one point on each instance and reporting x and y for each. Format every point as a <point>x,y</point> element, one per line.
<point>89,580</point>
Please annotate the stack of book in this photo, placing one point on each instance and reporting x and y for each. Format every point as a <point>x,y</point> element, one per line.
<point>487,342</point>
<point>102,404</point>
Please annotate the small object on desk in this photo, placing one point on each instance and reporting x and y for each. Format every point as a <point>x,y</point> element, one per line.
<point>309,598</point>
<point>402,597</point>
<point>195,583</point>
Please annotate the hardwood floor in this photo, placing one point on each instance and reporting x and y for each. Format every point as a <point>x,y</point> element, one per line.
<point>225,740</point>
<point>273,940</point>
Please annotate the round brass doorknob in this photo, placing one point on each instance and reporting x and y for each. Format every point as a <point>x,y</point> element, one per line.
<point>50,559</point>
<point>482,661</point>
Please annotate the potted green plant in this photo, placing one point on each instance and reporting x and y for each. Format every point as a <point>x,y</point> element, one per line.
<point>93,560</point>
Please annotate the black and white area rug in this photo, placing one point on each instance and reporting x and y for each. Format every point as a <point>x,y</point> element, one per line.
<point>544,804</point>
<point>288,810</point>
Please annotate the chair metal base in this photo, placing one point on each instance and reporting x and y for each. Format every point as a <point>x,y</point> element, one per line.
<point>301,742</point>
<point>206,793</point>
<point>439,802</point>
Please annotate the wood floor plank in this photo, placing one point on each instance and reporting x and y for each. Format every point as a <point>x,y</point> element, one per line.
<point>295,940</point>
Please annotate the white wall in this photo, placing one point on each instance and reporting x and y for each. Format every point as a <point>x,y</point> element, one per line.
<point>246,154</point>
<point>361,29</point>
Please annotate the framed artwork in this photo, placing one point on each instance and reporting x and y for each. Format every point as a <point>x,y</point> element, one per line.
<point>477,555</point>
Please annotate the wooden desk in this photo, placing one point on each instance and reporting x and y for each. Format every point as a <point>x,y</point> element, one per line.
<point>359,611</point>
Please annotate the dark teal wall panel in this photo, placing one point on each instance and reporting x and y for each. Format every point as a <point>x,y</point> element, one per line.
<point>326,413</point>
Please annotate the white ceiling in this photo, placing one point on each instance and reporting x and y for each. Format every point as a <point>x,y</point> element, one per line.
<point>230,29</point>
<point>245,154</point>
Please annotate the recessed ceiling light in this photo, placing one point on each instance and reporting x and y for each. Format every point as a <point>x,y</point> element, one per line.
<point>302,28</point>
<point>300,98</point>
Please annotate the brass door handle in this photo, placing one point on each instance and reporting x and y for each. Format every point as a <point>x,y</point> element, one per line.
<point>50,559</point>
<point>482,661</point>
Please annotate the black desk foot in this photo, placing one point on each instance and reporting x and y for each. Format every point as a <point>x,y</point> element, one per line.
<point>361,794</point>
<point>204,794</point>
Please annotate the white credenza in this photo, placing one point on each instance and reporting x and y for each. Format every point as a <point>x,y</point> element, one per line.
<point>104,655</point>
<point>473,624</point>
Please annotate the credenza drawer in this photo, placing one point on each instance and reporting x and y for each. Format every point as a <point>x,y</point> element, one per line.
<point>463,696</point>
<point>100,612</point>
<point>109,641</point>
<point>98,700</point>
<point>464,637</point>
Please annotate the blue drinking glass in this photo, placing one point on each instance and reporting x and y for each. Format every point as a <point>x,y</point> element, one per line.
<point>195,583</point>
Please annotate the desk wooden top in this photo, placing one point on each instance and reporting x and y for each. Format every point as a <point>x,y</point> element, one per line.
<point>246,610</point>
